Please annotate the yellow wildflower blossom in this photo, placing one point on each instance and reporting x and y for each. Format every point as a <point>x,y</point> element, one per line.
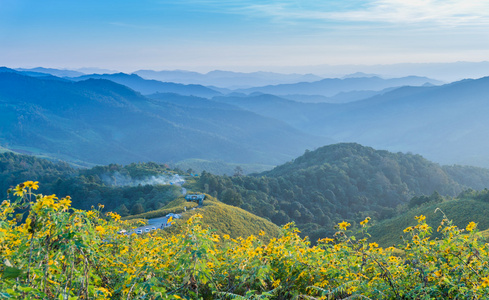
<point>423,227</point>
<point>343,225</point>
<point>485,282</point>
<point>471,226</point>
<point>326,240</point>
<point>100,229</point>
<point>276,283</point>
<point>19,191</point>
<point>32,185</point>
<point>420,219</point>
<point>364,222</point>
<point>65,202</point>
<point>373,245</point>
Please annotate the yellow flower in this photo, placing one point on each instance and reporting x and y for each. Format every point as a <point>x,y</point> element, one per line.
<point>408,229</point>
<point>424,227</point>
<point>19,190</point>
<point>32,184</point>
<point>485,282</point>
<point>471,226</point>
<point>65,201</point>
<point>343,225</point>
<point>276,283</point>
<point>364,222</point>
<point>100,229</point>
<point>114,216</point>
<point>373,245</point>
<point>420,218</point>
<point>326,240</point>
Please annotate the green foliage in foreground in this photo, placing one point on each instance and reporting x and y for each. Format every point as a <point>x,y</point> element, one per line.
<point>62,253</point>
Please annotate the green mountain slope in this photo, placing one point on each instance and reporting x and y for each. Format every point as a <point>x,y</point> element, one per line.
<point>461,211</point>
<point>223,218</point>
<point>119,188</point>
<point>338,182</point>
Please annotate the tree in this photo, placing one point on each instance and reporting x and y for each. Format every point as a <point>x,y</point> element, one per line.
<point>238,171</point>
<point>123,211</point>
<point>137,209</point>
<point>231,197</point>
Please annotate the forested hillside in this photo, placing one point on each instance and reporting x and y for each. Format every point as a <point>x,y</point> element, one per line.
<point>316,190</point>
<point>130,189</point>
<point>340,182</point>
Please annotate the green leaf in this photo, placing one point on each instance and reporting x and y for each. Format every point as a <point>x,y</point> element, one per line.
<point>25,288</point>
<point>11,272</point>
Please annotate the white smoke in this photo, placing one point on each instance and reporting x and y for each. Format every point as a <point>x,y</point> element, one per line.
<point>118,179</point>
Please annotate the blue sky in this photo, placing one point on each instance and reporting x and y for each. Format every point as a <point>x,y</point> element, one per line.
<point>239,34</point>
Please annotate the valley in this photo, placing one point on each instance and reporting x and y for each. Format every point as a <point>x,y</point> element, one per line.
<point>311,163</point>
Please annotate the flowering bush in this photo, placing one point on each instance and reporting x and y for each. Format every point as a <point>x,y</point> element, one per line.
<point>49,250</point>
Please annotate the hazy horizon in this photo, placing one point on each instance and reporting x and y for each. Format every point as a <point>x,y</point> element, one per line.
<point>448,72</point>
<point>241,35</point>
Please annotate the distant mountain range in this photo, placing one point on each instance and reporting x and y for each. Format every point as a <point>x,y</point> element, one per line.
<point>444,123</point>
<point>332,86</point>
<point>99,121</point>
<point>304,88</point>
<point>145,86</point>
<point>51,71</point>
<point>227,79</point>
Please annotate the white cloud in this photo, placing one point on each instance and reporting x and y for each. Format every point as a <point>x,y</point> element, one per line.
<point>437,12</point>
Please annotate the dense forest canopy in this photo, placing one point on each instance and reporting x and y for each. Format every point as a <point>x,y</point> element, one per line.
<point>341,182</point>
<point>87,187</point>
